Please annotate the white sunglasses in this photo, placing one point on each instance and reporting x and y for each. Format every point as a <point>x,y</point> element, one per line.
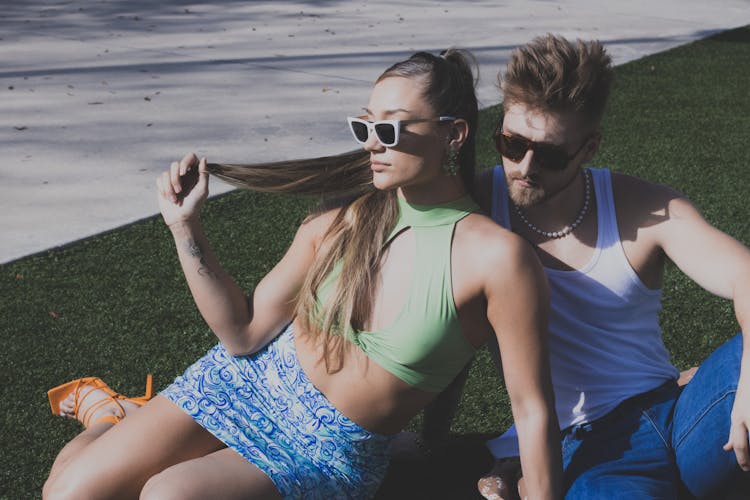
<point>386,131</point>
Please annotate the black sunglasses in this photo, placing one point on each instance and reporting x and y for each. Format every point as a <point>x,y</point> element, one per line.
<point>548,156</point>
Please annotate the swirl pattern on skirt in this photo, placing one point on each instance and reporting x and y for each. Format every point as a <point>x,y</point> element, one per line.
<point>264,407</point>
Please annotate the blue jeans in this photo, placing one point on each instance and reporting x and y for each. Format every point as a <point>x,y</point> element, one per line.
<point>660,444</point>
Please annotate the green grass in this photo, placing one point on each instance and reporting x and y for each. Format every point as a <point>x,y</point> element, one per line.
<point>116,305</point>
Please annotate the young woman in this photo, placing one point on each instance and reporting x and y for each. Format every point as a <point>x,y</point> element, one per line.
<point>374,309</point>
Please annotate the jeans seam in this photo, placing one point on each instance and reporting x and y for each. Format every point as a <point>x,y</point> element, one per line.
<point>656,428</point>
<point>703,414</point>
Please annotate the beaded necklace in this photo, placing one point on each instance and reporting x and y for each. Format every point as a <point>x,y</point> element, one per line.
<point>567,229</point>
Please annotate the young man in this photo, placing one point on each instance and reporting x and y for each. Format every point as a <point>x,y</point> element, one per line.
<point>629,430</point>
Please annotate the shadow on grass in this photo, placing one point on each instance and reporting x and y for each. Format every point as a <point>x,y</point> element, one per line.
<point>449,473</point>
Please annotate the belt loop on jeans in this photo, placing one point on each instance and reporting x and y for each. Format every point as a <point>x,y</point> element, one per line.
<point>630,404</point>
<point>580,430</point>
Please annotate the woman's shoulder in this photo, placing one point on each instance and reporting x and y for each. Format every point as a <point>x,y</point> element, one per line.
<point>491,258</point>
<point>481,239</point>
<point>316,225</point>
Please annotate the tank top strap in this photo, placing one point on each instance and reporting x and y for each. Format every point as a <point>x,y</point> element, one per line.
<point>499,211</point>
<point>607,230</point>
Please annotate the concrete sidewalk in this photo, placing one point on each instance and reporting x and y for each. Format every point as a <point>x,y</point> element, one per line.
<point>96,98</point>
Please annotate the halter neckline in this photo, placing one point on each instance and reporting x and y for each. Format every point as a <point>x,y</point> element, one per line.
<point>439,214</point>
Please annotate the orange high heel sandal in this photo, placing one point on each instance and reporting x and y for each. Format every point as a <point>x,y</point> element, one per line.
<point>57,394</point>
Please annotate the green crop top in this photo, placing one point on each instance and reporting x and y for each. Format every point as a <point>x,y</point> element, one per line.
<point>424,346</point>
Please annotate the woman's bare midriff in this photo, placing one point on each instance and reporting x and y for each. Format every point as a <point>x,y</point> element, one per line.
<point>362,390</point>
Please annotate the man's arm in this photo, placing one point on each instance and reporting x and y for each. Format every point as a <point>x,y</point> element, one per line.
<point>721,265</point>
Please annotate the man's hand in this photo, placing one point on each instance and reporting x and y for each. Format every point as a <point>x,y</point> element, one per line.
<point>738,432</point>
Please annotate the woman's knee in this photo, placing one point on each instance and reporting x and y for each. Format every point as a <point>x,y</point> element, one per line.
<point>67,486</point>
<point>165,486</point>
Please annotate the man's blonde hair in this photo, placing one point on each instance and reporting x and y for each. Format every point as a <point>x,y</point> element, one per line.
<point>553,74</point>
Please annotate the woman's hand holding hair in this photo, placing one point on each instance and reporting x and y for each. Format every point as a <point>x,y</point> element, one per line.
<point>182,190</point>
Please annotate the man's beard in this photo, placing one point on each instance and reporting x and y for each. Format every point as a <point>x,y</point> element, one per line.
<point>523,197</point>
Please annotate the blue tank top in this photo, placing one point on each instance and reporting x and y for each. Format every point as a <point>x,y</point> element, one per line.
<point>605,340</point>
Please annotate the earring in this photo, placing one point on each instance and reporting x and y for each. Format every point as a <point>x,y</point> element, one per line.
<point>450,165</point>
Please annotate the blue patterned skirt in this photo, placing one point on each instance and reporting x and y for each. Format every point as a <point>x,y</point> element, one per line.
<point>265,408</point>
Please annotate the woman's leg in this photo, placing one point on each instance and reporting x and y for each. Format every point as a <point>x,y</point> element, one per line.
<point>108,461</point>
<point>74,447</point>
<point>223,474</point>
<point>79,405</point>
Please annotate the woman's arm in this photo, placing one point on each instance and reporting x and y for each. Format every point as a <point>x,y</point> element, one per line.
<point>242,325</point>
<point>517,308</point>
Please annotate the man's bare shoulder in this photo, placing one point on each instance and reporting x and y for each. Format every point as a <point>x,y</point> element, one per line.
<point>639,197</point>
<point>631,186</point>
<point>649,213</point>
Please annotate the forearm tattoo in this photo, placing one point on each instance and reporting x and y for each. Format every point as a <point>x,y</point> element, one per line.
<point>195,251</point>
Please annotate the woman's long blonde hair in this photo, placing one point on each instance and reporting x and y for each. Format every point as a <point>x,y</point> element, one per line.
<point>357,236</point>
